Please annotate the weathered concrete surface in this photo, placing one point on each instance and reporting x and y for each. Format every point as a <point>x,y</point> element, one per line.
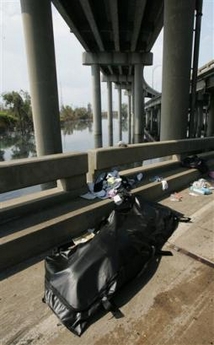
<point>172,306</point>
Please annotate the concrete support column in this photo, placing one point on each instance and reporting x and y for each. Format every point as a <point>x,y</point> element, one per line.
<point>151,120</point>
<point>147,118</point>
<point>158,120</point>
<point>129,117</point>
<point>199,112</point>
<point>97,115</point>
<point>110,114</point>
<point>138,104</point>
<point>119,114</point>
<point>38,32</point>
<point>210,122</point>
<point>177,53</point>
<point>133,114</point>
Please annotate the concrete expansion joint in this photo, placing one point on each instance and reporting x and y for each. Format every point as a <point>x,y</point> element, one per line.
<point>192,255</point>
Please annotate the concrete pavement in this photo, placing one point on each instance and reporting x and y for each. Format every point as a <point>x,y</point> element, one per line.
<point>171,304</point>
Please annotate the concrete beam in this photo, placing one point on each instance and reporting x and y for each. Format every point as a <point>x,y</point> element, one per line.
<point>118,78</point>
<point>116,58</point>
<point>123,86</point>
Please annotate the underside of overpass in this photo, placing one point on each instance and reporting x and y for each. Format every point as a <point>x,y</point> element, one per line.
<point>114,26</point>
<point>117,38</point>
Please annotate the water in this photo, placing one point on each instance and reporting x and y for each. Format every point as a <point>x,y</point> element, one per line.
<point>76,136</point>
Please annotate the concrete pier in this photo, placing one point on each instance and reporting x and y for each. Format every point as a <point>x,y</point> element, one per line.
<point>96,104</point>
<point>177,53</point>
<point>38,32</point>
<point>110,114</point>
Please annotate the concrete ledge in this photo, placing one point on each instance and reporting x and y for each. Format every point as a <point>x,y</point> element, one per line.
<point>39,201</point>
<point>45,230</point>
<point>22,173</point>
<point>35,239</point>
<point>104,159</point>
<point>41,229</point>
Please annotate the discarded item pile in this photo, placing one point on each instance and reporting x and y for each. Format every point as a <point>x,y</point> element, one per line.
<point>176,197</point>
<point>195,162</point>
<point>109,185</point>
<point>160,179</point>
<point>201,187</point>
<point>82,279</point>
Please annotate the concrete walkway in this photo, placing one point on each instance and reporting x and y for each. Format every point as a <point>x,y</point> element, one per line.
<point>171,305</point>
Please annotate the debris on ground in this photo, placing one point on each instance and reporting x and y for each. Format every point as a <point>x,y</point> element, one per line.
<point>201,186</point>
<point>108,185</point>
<point>176,197</point>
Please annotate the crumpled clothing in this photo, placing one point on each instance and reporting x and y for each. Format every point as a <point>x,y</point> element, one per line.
<point>201,183</point>
<point>109,185</point>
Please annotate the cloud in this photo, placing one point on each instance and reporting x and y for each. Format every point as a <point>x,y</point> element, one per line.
<point>74,79</point>
<point>206,52</point>
<point>13,63</point>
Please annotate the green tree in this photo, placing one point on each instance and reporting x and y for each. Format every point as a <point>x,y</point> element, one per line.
<point>6,121</point>
<point>80,113</point>
<point>66,113</point>
<point>19,105</point>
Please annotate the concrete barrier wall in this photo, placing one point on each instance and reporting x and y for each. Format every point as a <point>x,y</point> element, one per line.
<point>71,169</point>
<point>35,224</point>
<point>104,159</point>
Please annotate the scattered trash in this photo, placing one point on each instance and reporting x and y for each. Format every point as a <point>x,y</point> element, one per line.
<point>160,179</point>
<point>122,144</point>
<point>139,176</point>
<point>117,199</point>
<point>201,187</point>
<point>195,162</point>
<point>193,194</point>
<point>164,184</point>
<point>156,179</point>
<point>85,237</point>
<point>202,190</point>
<point>176,197</point>
<point>201,183</point>
<point>109,185</point>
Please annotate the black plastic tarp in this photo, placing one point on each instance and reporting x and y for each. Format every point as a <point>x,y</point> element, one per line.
<point>80,280</point>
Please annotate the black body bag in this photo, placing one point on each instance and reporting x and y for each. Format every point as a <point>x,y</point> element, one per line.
<point>83,279</point>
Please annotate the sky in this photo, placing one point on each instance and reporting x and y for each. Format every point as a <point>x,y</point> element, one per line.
<point>74,79</point>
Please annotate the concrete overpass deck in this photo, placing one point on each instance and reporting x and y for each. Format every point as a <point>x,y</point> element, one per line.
<point>171,304</point>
